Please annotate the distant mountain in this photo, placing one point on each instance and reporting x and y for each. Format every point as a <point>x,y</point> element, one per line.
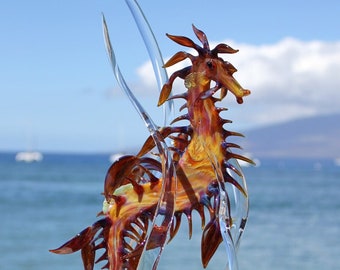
<point>308,137</point>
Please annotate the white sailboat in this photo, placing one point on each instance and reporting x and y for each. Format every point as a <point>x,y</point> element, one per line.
<point>29,156</point>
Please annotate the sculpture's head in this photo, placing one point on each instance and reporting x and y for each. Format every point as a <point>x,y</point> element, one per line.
<point>208,64</point>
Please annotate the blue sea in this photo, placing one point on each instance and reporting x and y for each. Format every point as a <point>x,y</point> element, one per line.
<point>294,220</point>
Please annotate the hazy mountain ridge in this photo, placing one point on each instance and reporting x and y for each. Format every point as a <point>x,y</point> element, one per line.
<point>317,136</point>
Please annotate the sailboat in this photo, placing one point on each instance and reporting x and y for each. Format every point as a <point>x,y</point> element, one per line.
<point>29,156</point>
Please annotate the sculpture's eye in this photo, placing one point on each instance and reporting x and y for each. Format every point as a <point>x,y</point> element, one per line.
<point>210,64</point>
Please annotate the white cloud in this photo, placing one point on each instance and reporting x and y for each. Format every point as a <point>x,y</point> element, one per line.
<point>146,74</point>
<point>288,79</point>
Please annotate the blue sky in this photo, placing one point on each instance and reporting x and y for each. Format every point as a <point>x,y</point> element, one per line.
<point>58,92</point>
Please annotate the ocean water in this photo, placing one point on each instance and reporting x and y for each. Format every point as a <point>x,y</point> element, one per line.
<point>294,220</point>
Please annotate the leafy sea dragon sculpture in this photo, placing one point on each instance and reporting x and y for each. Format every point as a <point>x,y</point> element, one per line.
<point>147,194</point>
